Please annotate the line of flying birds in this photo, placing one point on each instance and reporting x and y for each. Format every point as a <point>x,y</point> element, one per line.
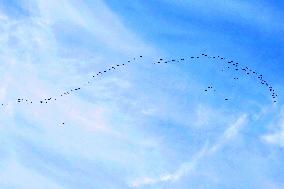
<point>230,65</point>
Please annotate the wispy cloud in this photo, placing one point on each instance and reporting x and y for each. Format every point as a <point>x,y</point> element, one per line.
<point>190,166</point>
<point>276,136</point>
<point>34,66</point>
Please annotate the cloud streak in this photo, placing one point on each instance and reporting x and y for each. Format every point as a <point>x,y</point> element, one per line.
<point>190,166</point>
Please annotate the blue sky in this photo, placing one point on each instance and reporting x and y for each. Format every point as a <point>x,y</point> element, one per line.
<point>145,125</point>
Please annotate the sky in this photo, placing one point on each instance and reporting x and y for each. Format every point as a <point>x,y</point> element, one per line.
<point>144,125</point>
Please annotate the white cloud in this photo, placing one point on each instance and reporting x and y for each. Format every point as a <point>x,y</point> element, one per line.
<point>34,66</point>
<point>190,166</point>
<point>97,18</point>
<point>15,175</point>
<point>276,137</point>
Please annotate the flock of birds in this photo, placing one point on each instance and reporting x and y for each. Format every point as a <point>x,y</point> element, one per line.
<point>230,65</point>
<point>237,67</point>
